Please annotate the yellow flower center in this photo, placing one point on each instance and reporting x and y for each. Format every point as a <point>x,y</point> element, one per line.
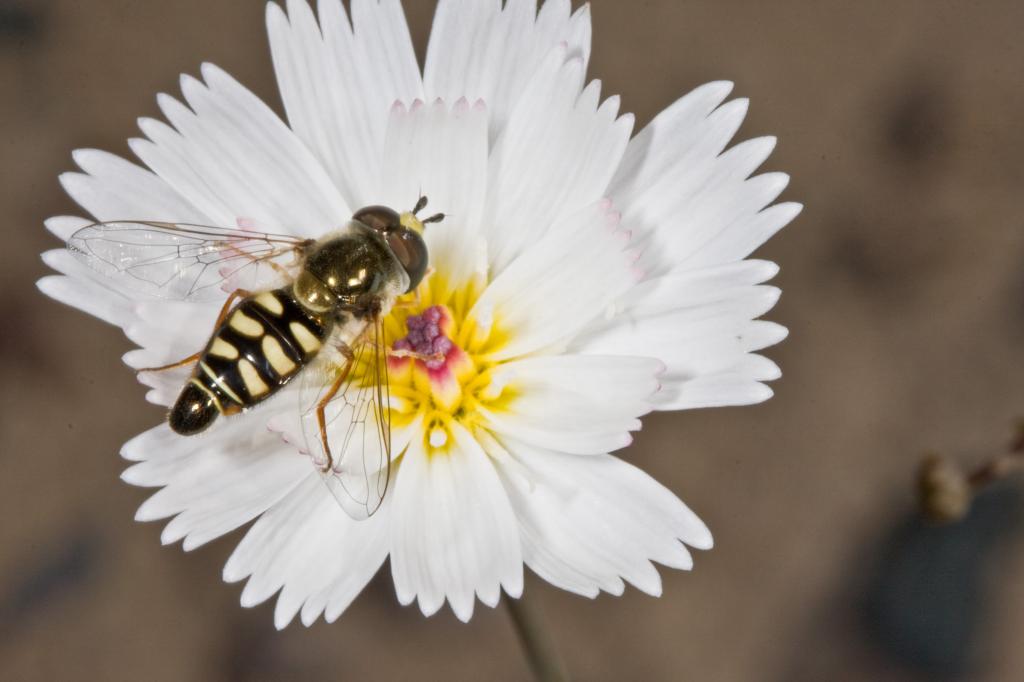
<point>438,366</point>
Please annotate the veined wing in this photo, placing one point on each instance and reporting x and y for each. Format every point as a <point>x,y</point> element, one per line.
<point>347,423</point>
<point>186,262</point>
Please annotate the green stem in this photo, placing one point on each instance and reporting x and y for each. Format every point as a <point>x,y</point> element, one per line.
<point>537,644</point>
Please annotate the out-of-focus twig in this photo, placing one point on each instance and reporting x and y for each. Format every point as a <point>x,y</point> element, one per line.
<point>945,490</point>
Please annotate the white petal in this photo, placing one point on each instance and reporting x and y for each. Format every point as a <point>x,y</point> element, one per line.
<point>112,188</point>
<point>721,357</point>
<point>589,522</point>
<point>307,547</point>
<point>63,226</point>
<point>337,85</point>
<point>577,403</point>
<point>560,283</point>
<point>215,482</point>
<point>386,48</point>
<point>233,158</point>
<point>741,238</point>
<point>700,323</point>
<point>440,152</point>
<point>88,297</point>
<point>168,331</point>
<point>685,287</point>
<point>165,386</point>
<point>84,289</point>
<point>556,156</point>
<point>715,390</point>
<point>480,50</point>
<point>689,204</point>
<point>673,132</point>
<point>453,532</point>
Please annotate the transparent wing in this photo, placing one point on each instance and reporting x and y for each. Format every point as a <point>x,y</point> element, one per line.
<point>186,262</point>
<point>346,421</point>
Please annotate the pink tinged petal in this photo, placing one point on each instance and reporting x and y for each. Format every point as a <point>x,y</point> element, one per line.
<point>453,532</point>
<point>440,150</point>
<point>111,188</point>
<point>213,484</point>
<point>588,523</point>
<point>560,283</point>
<point>337,85</point>
<point>309,549</point>
<point>232,157</point>
<point>577,403</point>
<point>556,156</point>
<point>480,50</point>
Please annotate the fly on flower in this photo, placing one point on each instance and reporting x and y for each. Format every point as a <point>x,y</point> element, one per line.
<point>584,277</point>
<point>316,309</point>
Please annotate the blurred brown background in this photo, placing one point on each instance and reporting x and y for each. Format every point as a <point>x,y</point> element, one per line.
<point>902,125</point>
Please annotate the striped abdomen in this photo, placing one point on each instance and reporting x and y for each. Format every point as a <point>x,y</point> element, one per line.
<point>261,344</point>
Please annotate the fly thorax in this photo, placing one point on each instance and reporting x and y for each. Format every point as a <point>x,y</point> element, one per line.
<point>348,268</point>
<point>313,294</point>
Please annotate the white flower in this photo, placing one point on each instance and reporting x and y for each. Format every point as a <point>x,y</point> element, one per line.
<point>583,278</point>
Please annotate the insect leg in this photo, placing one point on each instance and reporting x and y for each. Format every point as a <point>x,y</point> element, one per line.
<point>237,293</point>
<point>184,361</point>
<point>278,268</point>
<point>224,309</point>
<point>321,420</point>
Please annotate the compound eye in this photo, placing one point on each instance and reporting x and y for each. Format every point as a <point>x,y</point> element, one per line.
<point>411,251</point>
<point>378,218</point>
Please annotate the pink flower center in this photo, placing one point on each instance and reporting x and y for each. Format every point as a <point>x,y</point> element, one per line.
<point>425,337</point>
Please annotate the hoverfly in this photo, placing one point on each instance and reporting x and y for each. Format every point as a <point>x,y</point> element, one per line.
<point>316,309</point>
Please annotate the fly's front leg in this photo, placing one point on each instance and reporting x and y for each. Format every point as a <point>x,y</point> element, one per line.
<point>232,297</point>
<point>321,406</point>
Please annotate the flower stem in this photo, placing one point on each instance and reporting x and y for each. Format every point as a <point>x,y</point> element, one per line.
<point>537,644</point>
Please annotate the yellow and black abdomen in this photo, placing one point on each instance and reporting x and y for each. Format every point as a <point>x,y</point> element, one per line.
<point>261,344</point>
